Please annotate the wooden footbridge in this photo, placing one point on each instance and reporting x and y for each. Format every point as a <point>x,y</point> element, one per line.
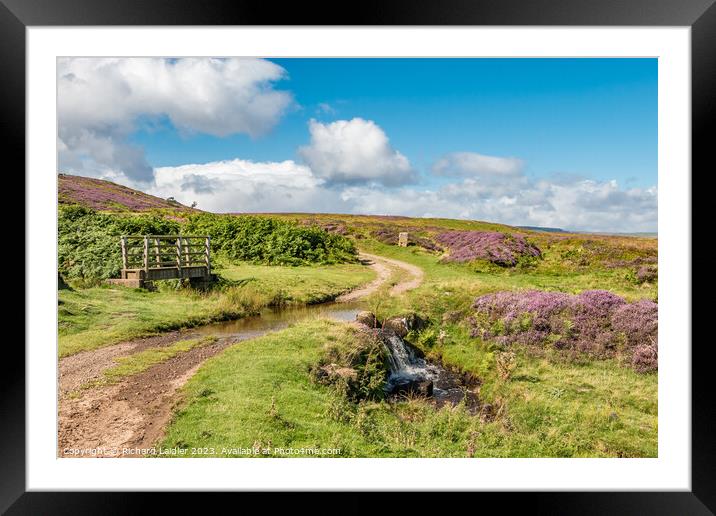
<point>161,257</point>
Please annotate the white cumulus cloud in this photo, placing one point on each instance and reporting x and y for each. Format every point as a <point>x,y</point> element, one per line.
<point>354,151</point>
<point>472,164</point>
<point>101,100</point>
<point>245,186</point>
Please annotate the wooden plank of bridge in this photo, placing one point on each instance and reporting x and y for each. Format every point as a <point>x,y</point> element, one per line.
<point>156,252</point>
<point>207,248</point>
<point>124,256</point>
<point>179,255</point>
<point>146,256</point>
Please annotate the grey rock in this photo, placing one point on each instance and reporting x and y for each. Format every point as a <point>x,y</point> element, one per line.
<point>367,318</point>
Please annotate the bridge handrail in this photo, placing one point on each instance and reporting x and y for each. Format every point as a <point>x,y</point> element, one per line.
<point>165,236</point>
<point>182,253</point>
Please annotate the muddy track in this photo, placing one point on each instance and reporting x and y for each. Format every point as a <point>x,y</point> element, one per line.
<point>86,366</point>
<point>108,420</point>
<point>122,419</point>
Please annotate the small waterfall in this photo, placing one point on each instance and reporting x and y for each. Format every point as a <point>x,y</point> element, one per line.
<point>411,374</point>
<point>405,365</point>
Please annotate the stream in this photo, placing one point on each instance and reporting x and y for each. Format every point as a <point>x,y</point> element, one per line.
<point>273,319</point>
<point>405,366</point>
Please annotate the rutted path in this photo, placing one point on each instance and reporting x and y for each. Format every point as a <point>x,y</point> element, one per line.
<point>111,421</point>
<point>121,419</point>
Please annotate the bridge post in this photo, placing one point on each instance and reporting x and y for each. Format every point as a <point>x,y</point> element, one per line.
<point>179,256</point>
<point>207,249</point>
<point>146,256</point>
<point>156,252</point>
<point>124,257</point>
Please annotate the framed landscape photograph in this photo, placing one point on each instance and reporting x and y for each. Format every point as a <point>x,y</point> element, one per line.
<point>435,250</point>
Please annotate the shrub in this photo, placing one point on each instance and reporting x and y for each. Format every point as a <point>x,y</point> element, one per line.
<point>271,241</point>
<point>646,273</point>
<point>596,323</point>
<point>88,241</point>
<point>506,362</point>
<point>499,248</point>
<point>638,323</point>
<point>356,365</point>
<point>645,359</point>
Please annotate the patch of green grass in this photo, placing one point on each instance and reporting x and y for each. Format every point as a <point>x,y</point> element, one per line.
<point>95,317</point>
<point>259,393</point>
<point>303,284</point>
<point>139,362</point>
<point>588,408</point>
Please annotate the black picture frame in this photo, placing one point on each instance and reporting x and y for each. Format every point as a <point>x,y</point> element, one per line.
<point>700,15</point>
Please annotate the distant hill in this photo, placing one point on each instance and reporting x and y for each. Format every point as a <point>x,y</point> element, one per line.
<point>642,234</point>
<point>100,194</point>
<point>600,233</point>
<point>543,229</point>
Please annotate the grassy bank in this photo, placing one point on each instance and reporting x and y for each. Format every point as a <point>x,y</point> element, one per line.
<point>258,394</point>
<point>95,317</point>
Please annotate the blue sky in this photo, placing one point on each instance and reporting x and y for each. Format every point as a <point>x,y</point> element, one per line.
<point>588,123</point>
<point>590,117</point>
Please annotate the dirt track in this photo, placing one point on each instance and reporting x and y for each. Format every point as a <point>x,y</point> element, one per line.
<point>117,420</point>
<point>383,266</point>
<point>131,414</point>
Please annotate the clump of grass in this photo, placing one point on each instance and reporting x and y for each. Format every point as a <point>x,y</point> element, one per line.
<point>356,365</point>
<point>247,299</point>
<point>505,362</point>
